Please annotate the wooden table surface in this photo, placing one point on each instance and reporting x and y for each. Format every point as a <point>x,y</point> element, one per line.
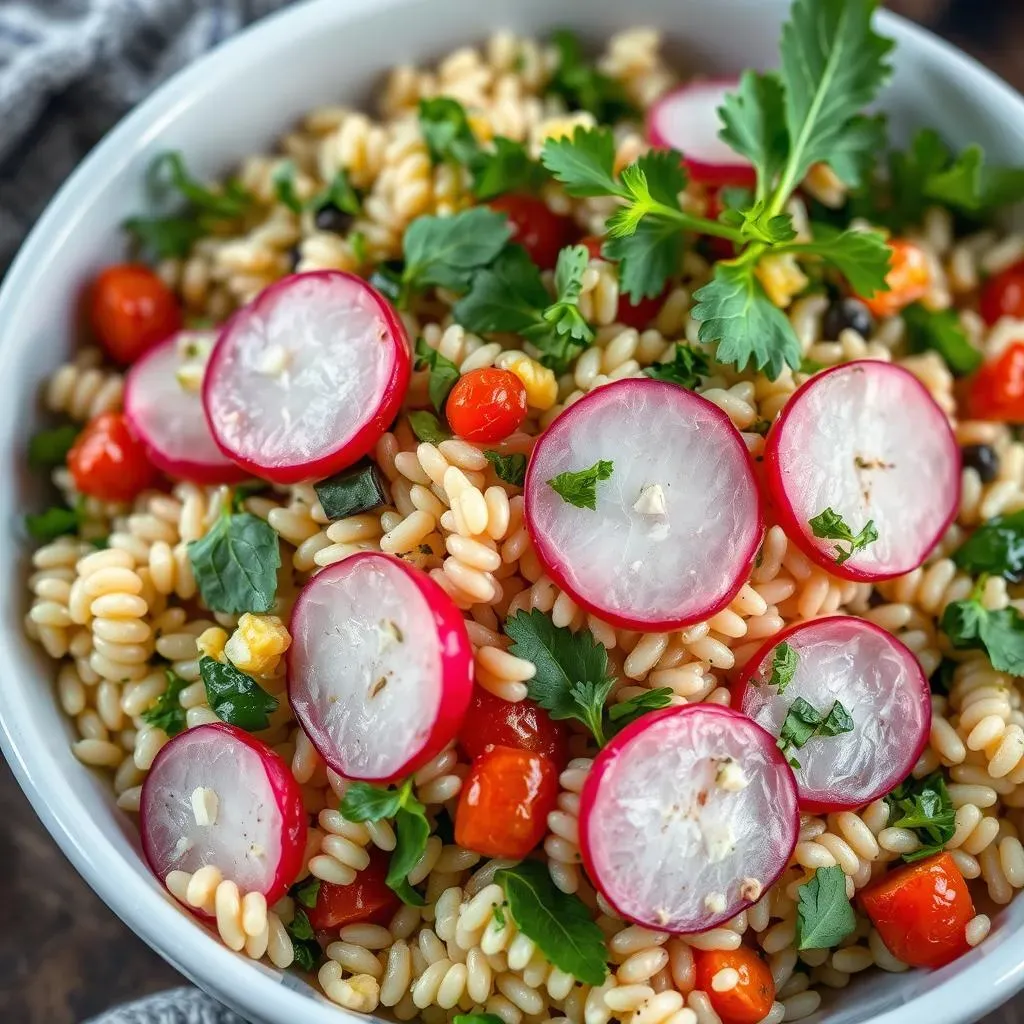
<point>63,955</point>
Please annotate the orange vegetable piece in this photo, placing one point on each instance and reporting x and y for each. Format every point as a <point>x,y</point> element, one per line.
<point>908,279</point>
<point>751,998</point>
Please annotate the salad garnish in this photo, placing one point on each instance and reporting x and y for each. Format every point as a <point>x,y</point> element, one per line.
<point>579,487</point>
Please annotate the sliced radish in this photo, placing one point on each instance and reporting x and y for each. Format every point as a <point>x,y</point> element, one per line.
<point>868,441</point>
<point>687,816</point>
<point>163,403</point>
<point>380,671</point>
<point>687,119</point>
<point>217,796</point>
<point>878,681</point>
<point>304,381</point>
<point>678,522</point>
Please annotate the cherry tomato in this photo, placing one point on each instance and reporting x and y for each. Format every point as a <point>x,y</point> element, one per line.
<point>493,722</point>
<point>486,405</point>
<point>368,898</point>
<point>131,310</point>
<point>997,390</point>
<point>908,279</point>
<point>751,998</point>
<point>639,315</point>
<point>540,231</point>
<point>921,911</point>
<point>503,811</point>
<point>1003,295</point>
<point>109,462</point>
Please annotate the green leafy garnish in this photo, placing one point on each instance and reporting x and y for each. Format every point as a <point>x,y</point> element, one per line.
<point>830,525</point>
<point>235,564</point>
<point>582,86</point>
<point>508,167</point>
<point>942,332</point>
<point>628,711</point>
<point>443,373</point>
<point>803,722</point>
<point>942,678</point>
<point>579,487</point>
<point>446,131</point>
<point>341,194</point>
<point>283,181</point>
<point>688,365</point>
<point>559,923</point>
<point>353,491</point>
<point>784,665</point>
<point>1000,634</point>
<point>477,1018</point>
<point>306,892</point>
<point>824,915</point>
<point>996,547</point>
<point>49,448</point>
<point>510,468</point>
<point>168,171</point>
<point>167,712</point>
<point>234,697</point>
<point>426,426</point>
<point>53,523</point>
<point>924,806</point>
<point>307,950</point>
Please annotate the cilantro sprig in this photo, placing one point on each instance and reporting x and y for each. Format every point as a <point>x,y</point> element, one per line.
<point>167,712</point>
<point>971,626</point>
<point>824,914</point>
<point>830,525</point>
<point>235,697</point>
<point>783,668</point>
<point>804,722</point>
<point>582,86</point>
<point>443,373</point>
<point>579,487</point>
<point>925,807</point>
<point>996,547</point>
<point>686,368</point>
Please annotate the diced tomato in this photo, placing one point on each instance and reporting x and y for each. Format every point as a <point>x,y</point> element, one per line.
<point>505,802</point>
<point>997,390</point>
<point>486,405</point>
<point>131,310</point>
<point>751,998</point>
<point>493,722</point>
<point>539,230</point>
<point>642,313</point>
<point>368,898</point>
<point>921,911</point>
<point>1003,295</point>
<point>908,279</point>
<point>109,462</point>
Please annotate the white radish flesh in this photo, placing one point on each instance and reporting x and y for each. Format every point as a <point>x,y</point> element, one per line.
<point>380,667</point>
<point>677,524</point>
<point>217,796</point>
<point>304,381</point>
<point>877,680</point>
<point>687,816</point>
<point>868,441</point>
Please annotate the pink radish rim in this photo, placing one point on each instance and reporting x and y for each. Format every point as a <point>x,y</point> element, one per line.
<point>549,562</point>
<point>455,655</point>
<point>605,761</point>
<point>783,510</point>
<point>294,824</point>
<point>742,681</point>
<point>363,441</point>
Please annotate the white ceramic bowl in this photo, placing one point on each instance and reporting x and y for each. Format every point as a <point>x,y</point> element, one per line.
<point>235,102</point>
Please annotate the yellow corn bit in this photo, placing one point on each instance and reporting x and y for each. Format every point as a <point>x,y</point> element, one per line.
<point>211,642</point>
<point>539,381</point>
<point>782,278</point>
<point>257,644</point>
<point>826,186</point>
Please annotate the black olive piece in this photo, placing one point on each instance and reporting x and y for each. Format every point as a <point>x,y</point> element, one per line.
<point>847,312</point>
<point>331,218</point>
<point>294,256</point>
<point>983,458</point>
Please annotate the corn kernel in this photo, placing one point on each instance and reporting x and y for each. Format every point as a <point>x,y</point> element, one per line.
<point>257,643</point>
<point>560,127</point>
<point>782,278</point>
<point>540,383</point>
<point>211,642</point>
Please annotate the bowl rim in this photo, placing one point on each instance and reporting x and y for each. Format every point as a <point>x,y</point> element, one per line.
<point>991,976</point>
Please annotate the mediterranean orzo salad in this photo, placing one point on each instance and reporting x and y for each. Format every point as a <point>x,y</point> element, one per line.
<point>555,550</point>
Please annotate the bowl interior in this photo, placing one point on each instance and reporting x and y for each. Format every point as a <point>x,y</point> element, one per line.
<point>236,102</point>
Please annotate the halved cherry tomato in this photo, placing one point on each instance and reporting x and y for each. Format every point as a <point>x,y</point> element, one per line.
<point>639,315</point>
<point>908,279</point>
<point>1003,295</point>
<point>486,405</point>
<point>109,462</point>
<point>503,811</point>
<point>997,390</point>
<point>131,310</point>
<point>539,230</point>
<point>368,898</point>
<point>751,998</point>
<point>493,722</point>
<point>921,912</point>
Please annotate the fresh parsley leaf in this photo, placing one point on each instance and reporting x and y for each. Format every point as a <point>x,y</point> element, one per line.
<point>970,187</point>
<point>579,488</point>
<point>970,626</point>
<point>755,125</point>
<point>996,547</point>
<point>306,892</point>
<point>307,950</point>
<point>824,915</point>
<point>387,279</point>
<point>49,448</point>
<point>510,468</point>
<point>584,163</point>
<point>628,711</point>
<point>909,172</point>
<point>862,257</point>
<point>784,664</point>
<point>168,172</point>
<point>167,712</point>
<point>758,224</point>
<point>365,802</point>
<point>477,1018</point>
<point>283,181</point>
<point>341,194</point>
<point>235,564</point>
<point>53,523</point>
<point>559,923</point>
<point>686,369</point>
<point>499,915</point>
<point>427,427</point>
<point>924,806</point>
<point>446,131</point>
<point>352,491</point>
<point>234,697</point>
<point>564,332</point>
<point>854,155</point>
<point>443,373</point>
<point>582,86</point>
<point>942,332</point>
<point>830,525</point>
<point>803,722</point>
<point>507,167</point>
<point>942,678</point>
<point>164,238</point>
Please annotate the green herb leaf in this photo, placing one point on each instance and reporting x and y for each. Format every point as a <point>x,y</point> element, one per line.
<point>830,525</point>
<point>352,491</point>
<point>236,698</point>
<point>647,258</point>
<point>559,923</point>
<point>49,448</point>
<point>924,806</point>
<point>582,86</point>
<point>970,626</point>
<point>235,564</point>
<point>341,194</point>
<point>804,721</point>
<point>167,713</point>
<point>854,155</point>
<point>446,131</point>
<point>579,488</point>
<point>942,678</point>
<point>942,332</point>
<point>306,892</point>
<point>283,181</point>
<point>563,332</point>
<point>443,373</point>
<point>862,257</point>
<point>584,163</point>
<point>755,125</point>
<point>507,167</point>
<point>164,238</point>
<point>510,468</point>
<point>477,1018</point>
<point>995,547</point>
<point>628,711</point>
<point>971,187</point>
<point>686,369</point>
<point>427,427</point>
<point>53,523</point>
<point>307,950</point>
<point>824,915</point>
<point>784,664</point>
<point>168,171</point>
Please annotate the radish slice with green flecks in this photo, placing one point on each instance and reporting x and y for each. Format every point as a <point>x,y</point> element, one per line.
<point>867,441</point>
<point>676,525</point>
<point>687,816</point>
<point>380,667</point>
<point>304,380</point>
<point>879,682</point>
<point>217,796</point>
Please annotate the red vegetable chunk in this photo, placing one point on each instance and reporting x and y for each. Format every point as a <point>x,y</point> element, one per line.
<point>108,461</point>
<point>492,721</point>
<point>368,898</point>
<point>131,310</point>
<point>486,405</point>
<point>537,228</point>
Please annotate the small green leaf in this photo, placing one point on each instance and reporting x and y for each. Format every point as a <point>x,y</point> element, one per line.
<point>755,124</point>
<point>234,697</point>
<point>924,806</point>
<point>167,712</point>
<point>941,331</point>
<point>365,802</point>
<point>340,193</point>
<point>443,373</point>
<point>803,722</point>
<point>971,187</point>
<point>236,563</point>
<point>412,832</point>
<point>507,167</point>
<point>307,950</point>
<point>49,448</point>
<point>582,86</point>
<point>476,1018</point>
<point>53,523</point>
<point>353,491</point>
<point>168,172</point>
<point>579,487</point>
<point>628,711</point>
<point>969,626</point>
<point>830,525</point>
<point>584,163</point>
<point>687,368</point>
<point>306,892</point>
<point>510,468</point>
<point>996,547</point>
<point>824,915</point>
<point>426,426</point>
<point>862,257</point>
<point>784,664</point>
<point>164,238</point>
<point>446,131</point>
<point>283,181</point>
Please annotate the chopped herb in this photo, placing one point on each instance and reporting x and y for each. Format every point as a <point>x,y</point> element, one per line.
<point>784,665</point>
<point>628,711</point>
<point>942,678</point>
<point>53,523</point>
<point>446,131</point>
<point>824,915</point>
<point>283,180</point>
<point>579,488</point>
<point>306,892</point>
<point>443,373</point>
<point>307,950</point>
<point>476,1018</point>
<point>942,332</point>
<point>234,697</point>
<point>510,468</point>
<point>341,195</point>
<point>168,171</point>
<point>803,722</point>
<point>426,426</point>
<point>995,547</point>
<point>688,365</point>
<point>924,806</point>
<point>499,914</point>
<point>50,448</point>
<point>830,525</point>
<point>167,712</point>
<point>387,279</point>
<point>164,238</point>
<point>971,626</point>
<point>582,86</point>
<point>352,491</point>
<point>508,167</point>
